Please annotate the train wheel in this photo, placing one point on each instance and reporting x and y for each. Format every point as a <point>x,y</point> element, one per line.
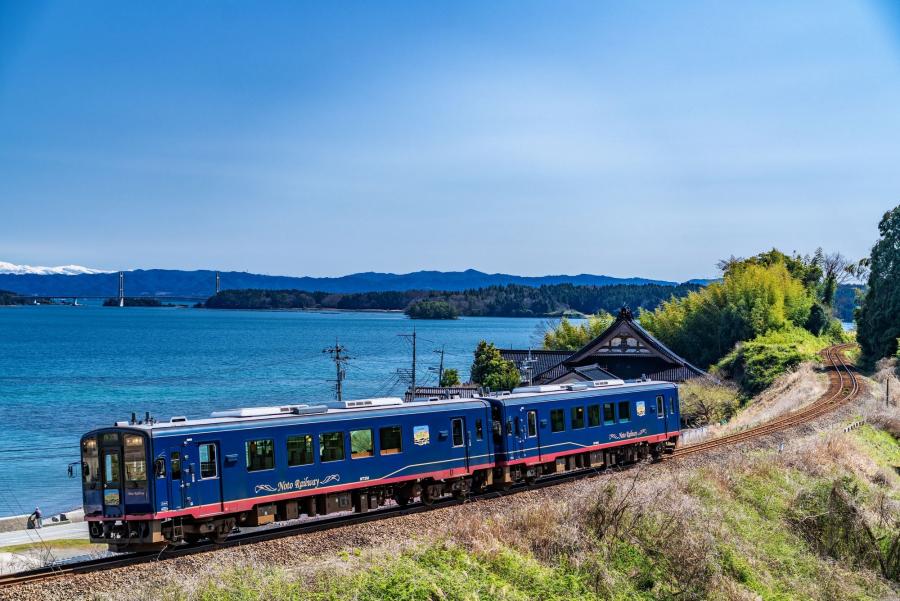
<point>402,499</point>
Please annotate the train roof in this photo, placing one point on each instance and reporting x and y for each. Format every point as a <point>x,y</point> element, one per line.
<point>256,417</point>
<point>555,392</point>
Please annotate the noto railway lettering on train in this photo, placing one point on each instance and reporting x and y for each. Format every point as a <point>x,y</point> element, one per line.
<point>150,484</point>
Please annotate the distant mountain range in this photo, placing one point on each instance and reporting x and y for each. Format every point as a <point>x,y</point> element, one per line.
<point>11,268</point>
<point>178,283</point>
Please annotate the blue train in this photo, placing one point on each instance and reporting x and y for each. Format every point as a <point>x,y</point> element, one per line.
<point>149,484</point>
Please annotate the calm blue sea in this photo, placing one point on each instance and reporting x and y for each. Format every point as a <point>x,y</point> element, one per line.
<point>65,370</point>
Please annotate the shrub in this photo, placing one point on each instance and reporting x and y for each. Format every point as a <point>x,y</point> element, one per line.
<point>756,364</point>
<point>450,377</point>
<point>704,402</point>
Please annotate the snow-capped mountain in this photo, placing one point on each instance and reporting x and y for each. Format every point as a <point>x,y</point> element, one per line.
<point>39,270</point>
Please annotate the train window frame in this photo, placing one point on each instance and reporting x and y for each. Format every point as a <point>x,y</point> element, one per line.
<point>577,417</point>
<point>593,414</point>
<point>214,462</point>
<point>626,418</point>
<point>479,429</point>
<point>343,451</point>
<point>251,457</point>
<point>660,407</point>
<point>532,423</point>
<point>612,410</point>
<point>390,450</point>
<point>175,462</point>
<point>362,453</point>
<point>457,422</point>
<point>309,453</point>
<point>557,420</point>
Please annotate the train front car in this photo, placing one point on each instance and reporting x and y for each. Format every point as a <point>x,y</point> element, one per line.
<point>148,485</point>
<point>543,430</point>
<point>115,485</point>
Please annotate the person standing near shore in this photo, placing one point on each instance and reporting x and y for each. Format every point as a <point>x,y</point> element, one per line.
<point>38,518</point>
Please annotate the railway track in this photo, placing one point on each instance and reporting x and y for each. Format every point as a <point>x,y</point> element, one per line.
<point>843,387</point>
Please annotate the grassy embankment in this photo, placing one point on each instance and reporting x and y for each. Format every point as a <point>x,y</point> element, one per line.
<point>814,522</point>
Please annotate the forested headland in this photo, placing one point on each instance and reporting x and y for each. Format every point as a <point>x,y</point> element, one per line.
<point>494,301</point>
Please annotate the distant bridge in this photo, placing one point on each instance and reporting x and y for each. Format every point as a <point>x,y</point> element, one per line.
<point>121,294</point>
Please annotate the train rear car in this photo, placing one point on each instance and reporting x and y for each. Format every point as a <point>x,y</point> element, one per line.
<point>542,430</point>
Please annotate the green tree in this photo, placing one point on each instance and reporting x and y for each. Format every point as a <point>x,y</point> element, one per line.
<point>491,370</point>
<point>878,319</point>
<point>450,377</point>
<point>568,337</point>
<point>771,291</point>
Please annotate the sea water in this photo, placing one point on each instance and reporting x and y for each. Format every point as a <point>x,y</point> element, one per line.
<point>65,370</point>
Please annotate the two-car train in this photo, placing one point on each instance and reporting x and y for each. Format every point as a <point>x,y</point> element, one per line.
<point>150,484</point>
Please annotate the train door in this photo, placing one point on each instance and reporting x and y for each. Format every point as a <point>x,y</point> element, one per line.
<point>661,414</point>
<point>458,437</point>
<point>111,475</point>
<point>203,459</point>
<point>176,485</point>
<point>672,415</point>
<point>533,440</point>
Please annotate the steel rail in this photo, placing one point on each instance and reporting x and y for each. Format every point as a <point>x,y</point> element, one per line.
<point>836,395</point>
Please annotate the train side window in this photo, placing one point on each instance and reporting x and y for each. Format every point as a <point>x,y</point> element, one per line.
<point>624,412</point>
<point>331,446</point>
<point>660,408</point>
<point>577,418</point>
<point>159,468</point>
<point>479,430</point>
<point>457,427</point>
<point>300,450</point>
<point>260,455</point>
<point>135,462</point>
<point>557,420</point>
<point>532,424</point>
<point>609,414</point>
<point>518,426</point>
<point>593,415</point>
<point>176,465</point>
<point>390,440</point>
<point>209,467</point>
<point>361,444</point>
<point>672,405</point>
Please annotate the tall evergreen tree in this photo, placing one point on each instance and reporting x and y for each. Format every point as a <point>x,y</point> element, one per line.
<point>878,320</point>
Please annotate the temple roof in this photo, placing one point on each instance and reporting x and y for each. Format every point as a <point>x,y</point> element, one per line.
<point>626,338</point>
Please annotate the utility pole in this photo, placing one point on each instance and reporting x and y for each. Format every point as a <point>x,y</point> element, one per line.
<point>528,367</point>
<point>339,360</point>
<point>440,365</point>
<point>412,374</point>
<point>121,288</point>
<point>218,282</point>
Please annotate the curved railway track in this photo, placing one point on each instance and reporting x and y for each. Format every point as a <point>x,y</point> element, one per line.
<point>843,387</point>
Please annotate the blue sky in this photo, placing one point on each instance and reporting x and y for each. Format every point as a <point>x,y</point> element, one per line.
<point>647,138</point>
